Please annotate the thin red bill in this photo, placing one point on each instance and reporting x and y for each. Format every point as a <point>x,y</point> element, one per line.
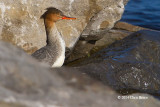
<point>68,18</point>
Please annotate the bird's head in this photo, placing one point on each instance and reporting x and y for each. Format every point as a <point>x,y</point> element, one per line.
<point>55,15</point>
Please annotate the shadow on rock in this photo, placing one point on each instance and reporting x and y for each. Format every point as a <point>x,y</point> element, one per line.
<point>131,63</point>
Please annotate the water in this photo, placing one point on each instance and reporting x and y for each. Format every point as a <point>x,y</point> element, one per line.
<point>145,13</point>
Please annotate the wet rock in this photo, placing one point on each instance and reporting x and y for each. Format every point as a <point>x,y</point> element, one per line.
<point>132,63</point>
<point>21,24</point>
<point>25,82</point>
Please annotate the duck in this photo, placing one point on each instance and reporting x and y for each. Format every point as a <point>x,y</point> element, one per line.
<point>54,51</point>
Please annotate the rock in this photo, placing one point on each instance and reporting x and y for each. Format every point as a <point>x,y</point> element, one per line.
<point>21,24</point>
<point>127,27</point>
<point>25,82</point>
<point>110,37</point>
<point>105,18</point>
<point>119,31</point>
<point>5,104</point>
<point>81,50</point>
<point>93,43</point>
<point>144,103</point>
<point>132,63</point>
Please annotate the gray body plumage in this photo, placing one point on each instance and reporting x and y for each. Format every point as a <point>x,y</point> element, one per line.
<point>54,52</point>
<point>47,54</point>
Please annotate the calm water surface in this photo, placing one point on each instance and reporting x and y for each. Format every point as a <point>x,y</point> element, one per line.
<point>145,13</point>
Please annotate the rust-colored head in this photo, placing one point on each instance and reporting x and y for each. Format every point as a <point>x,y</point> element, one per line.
<point>54,15</point>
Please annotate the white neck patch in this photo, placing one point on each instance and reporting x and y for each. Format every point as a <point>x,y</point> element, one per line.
<point>60,60</point>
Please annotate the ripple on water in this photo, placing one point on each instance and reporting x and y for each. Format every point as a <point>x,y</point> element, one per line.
<point>145,13</point>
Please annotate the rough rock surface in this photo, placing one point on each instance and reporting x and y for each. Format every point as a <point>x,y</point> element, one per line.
<point>27,83</point>
<point>20,22</point>
<point>131,63</point>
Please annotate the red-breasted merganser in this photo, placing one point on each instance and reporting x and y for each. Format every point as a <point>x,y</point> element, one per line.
<point>54,52</point>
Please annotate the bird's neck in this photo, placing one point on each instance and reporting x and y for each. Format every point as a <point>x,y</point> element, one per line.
<point>53,36</point>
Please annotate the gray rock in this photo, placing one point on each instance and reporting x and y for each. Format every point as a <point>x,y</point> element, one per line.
<point>106,17</point>
<point>132,63</point>
<point>118,32</point>
<point>5,104</point>
<point>20,22</point>
<point>88,45</point>
<point>26,83</point>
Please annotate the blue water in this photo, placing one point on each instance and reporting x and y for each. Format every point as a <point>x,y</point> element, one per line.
<point>145,13</point>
